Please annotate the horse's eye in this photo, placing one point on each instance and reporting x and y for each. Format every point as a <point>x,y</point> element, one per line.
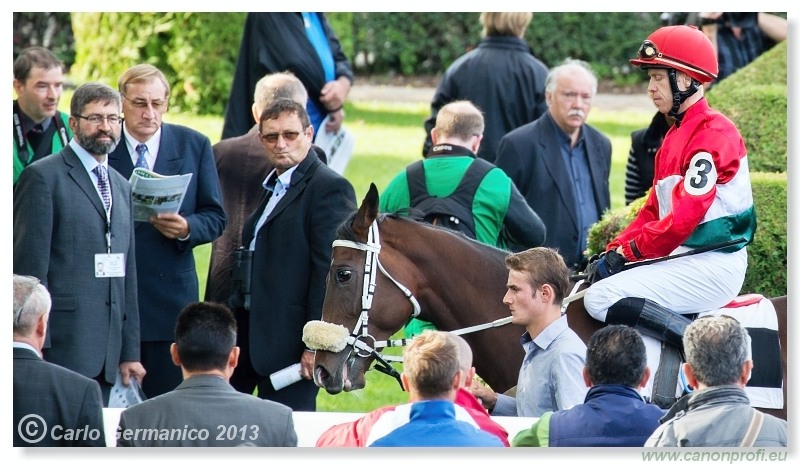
<point>343,276</point>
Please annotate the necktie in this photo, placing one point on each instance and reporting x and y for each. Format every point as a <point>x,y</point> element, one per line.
<point>141,162</point>
<point>102,185</point>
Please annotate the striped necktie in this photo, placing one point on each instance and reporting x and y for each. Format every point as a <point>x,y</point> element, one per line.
<point>141,162</point>
<point>102,185</point>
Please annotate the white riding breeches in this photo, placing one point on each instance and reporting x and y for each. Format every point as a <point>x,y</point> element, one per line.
<point>691,284</point>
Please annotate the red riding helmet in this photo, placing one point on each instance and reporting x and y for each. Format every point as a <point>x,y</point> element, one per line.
<point>684,48</point>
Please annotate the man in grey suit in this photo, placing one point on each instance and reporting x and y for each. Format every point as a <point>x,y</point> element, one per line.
<point>561,164</point>
<point>205,410</point>
<point>71,213</point>
<point>53,406</point>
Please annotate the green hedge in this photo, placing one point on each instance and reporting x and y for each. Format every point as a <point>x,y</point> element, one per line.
<point>767,254</point>
<point>427,43</point>
<point>196,51</point>
<point>754,98</point>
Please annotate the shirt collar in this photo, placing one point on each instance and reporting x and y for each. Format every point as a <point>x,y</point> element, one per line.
<point>548,335</point>
<point>285,179</point>
<point>131,143</point>
<point>27,346</point>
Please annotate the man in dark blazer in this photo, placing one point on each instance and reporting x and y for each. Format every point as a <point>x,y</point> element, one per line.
<point>561,164</point>
<point>66,222</point>
<point>205,410</point>
<point>291,234</point>
<point>242,167</point>
<point>165,262</point>
<point>51,403</point>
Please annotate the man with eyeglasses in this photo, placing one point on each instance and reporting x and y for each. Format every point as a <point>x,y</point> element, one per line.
<point>72,213</point>
<point>290,233</point>
<point>561,164</point>
<point>701,197</point>
<point>165,261</point>
<point>40,129</point>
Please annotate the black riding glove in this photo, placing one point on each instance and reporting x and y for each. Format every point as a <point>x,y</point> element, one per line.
<point>608,264</point>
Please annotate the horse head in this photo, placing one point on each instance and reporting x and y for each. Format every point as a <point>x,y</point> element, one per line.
<point>347,338</point>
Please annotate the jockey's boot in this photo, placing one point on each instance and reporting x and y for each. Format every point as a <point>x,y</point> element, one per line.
<point>649,317</point>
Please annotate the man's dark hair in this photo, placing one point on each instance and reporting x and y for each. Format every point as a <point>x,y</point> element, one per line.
<point>616,355</point>
<point>34,57</point>
<point>280,106</point>
<point>93,92</point>
<point>205,334</point>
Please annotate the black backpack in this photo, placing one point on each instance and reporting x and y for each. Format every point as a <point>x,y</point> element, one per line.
<point>454,211</point>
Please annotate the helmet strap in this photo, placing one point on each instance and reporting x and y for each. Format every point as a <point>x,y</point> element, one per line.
<point>678,96</point>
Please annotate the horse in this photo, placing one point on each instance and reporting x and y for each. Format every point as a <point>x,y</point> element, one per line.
<point>386,268</point>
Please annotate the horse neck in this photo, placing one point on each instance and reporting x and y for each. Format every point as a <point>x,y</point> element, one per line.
<point>456,280</point>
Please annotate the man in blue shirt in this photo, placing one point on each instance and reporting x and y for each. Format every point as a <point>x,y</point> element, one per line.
<point>551,375</point>
<point>433,374</point>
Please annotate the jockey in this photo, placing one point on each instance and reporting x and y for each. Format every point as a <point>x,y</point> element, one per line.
<point>701,197</point>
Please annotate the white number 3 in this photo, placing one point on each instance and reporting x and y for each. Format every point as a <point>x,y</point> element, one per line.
<point>701,175</point>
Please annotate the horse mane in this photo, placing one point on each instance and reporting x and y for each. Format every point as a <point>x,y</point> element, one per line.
<point>345,230</point>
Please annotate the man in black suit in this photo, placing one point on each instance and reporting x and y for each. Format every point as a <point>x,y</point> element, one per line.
<point>242,168</point>
<point>290,235</point>
<point>561,164</point>
<point>164,262</point>
<point>53,406</point>
<point>204,410</point>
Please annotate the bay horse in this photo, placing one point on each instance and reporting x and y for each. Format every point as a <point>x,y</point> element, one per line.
<point>386,268</point>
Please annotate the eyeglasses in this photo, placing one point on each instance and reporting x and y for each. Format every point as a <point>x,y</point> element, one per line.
<point>648,51</point>
<point>573,96</point>
<point>156,104</point>
<point>18,312</point>
<point>288,135</point>
<point>97,119</point>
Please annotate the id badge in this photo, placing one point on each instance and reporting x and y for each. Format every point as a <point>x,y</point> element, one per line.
<point>109,265</point>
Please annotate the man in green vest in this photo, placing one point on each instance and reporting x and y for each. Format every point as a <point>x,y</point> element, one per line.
<point>39,127</point>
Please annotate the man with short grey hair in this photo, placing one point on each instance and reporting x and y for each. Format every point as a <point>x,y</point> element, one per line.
<point>718,413</point>
<point>560,163</point>
<point>48,396</point>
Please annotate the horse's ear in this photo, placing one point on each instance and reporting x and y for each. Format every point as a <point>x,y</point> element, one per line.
<point>367,212</point>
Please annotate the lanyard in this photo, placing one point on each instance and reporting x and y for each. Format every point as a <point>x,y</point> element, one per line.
<point>19,135</point>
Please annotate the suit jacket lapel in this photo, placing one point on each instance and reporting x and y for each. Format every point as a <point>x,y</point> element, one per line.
<point>169,160</point>
<point>78,173</point>
<point>596,170</point>
<point>250,223</point>
<point>299,181</point>
<point>121,160</point>
<point>551,149</point>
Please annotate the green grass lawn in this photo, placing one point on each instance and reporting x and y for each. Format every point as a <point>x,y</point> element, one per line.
<point>389,137</point>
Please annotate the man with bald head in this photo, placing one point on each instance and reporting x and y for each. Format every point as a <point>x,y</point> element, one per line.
<point>500,215</point>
